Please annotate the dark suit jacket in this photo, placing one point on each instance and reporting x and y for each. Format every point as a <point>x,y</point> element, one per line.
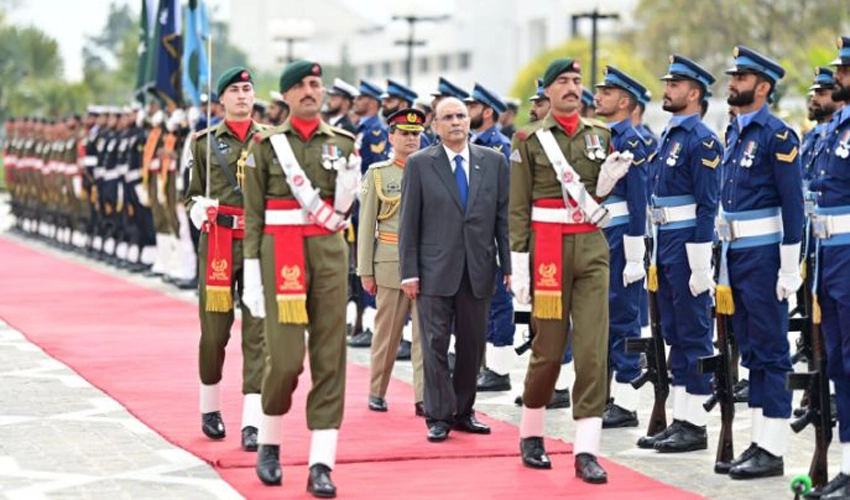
<point>437,239</point>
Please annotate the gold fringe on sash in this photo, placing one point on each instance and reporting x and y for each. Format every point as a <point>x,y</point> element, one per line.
<point>292,309</point>
<point>725,302</point>
<point>349,233</point>
<point>547,304</point>
<point>219,299</point>
<point>652,279</point>
<point>816,315</point>
<point>803,267</point>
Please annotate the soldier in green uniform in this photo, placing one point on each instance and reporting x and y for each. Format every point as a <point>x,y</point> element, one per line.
<point>377,258</point>
<point>559,166</point>
<point>218,213</point>
<point>301,181</point>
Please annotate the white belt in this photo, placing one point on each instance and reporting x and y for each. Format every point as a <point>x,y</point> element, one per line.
<point>557,215</point>
<point>90,161</point>
<point>618,209</point>
<point>155,164</point>
<point>827,226</point>
<point>112,175</point>
<point>133,175</point>
<point>99,172</point>
<point>71,169</point>
<point>293,217</point>
<point>748,228</point>
<point>667,215</point>
<point>123,168</point>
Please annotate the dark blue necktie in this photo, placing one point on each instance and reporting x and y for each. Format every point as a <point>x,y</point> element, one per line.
<point>460,178</point>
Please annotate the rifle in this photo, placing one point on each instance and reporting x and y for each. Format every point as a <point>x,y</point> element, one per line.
<point>524,318</point>
<point>656,367</point>
<point>816,382</point>
<point>722,365</point>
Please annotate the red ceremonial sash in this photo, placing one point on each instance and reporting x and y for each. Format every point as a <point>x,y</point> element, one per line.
<point>290,270</point>
<point>219,267</point>
<point>548,260</point>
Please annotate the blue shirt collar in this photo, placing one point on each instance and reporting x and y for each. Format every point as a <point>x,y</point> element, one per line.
<point>682,121</point>
<point>620,126</point>
<point>757,116</point>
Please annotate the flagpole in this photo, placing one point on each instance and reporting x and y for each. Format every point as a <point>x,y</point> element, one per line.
<point>209,108</point>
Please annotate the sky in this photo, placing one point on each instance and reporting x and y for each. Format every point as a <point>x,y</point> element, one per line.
<point>70,21</point>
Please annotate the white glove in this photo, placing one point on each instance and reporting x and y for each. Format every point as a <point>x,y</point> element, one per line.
<point>253,296</point>
<point>520,282</point>
<point>142,195</point>
<point>193,116</point>
<point>699,258</point>
<point>615,167</point>
<point>119,202</point>
<point>77,181</point>
<point>635,249</point>
<point>345,192</point>
<point>198,213</point>
<point>790,278</point>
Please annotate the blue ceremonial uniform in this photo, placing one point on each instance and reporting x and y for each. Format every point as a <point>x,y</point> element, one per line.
<point>624,301</point>
<point>372,141</point>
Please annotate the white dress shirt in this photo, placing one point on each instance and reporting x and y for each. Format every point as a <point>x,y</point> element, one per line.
<point>464,154</point>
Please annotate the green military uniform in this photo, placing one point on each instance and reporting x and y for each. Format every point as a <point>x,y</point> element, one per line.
<point>585,262</point>
<point>215,325</point>
<point>377,257</point>
<point>326,267</point>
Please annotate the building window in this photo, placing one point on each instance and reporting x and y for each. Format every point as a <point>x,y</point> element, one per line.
<point>387,68</point>
<point>424,65</point>
<point>444,62</point>
<point>369,70</point>
<point>464,60</point>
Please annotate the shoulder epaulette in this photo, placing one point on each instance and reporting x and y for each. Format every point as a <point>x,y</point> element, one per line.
<point>203,132</point>
<point>343,132</point>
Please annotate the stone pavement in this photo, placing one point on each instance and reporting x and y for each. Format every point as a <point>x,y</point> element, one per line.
<point>62,438</point>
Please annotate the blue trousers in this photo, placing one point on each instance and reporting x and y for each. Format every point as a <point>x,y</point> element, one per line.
<point>623,311</point>
<point>686,326</point>
<point>760,323</point>
<point>834,300</point>
<point>500,324</point>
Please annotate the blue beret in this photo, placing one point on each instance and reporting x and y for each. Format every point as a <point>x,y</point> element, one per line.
<point>824,79</point>
<point>682,68</point>
<point>587,98</point>
<point>616,78</point>
<point>446,88</point>
<point>843,58</point>
<point>370,90</point>
<point>487,98</point>
<point>749,61</point>
<point>395,89</point>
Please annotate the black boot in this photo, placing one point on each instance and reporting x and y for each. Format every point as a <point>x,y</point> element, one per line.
<point>403,352</point>
<point>268,464</point>
<point>363,339</point>
<point>212,425</point>
<point>648,442</point>
<point>761,463</point>
<point>249,438</point>
<point>589,470</point>
<point>319,483</point>
<point>688,437</point>
<point>617,416</point>
<point>490,381</point>
<point>533,453</point>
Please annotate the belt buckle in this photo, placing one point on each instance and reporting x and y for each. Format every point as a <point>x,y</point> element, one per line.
<point>809,206</point>
<point>821,226</point>
<point>659,215</point>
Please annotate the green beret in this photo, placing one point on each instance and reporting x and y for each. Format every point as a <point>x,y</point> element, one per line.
<point>559,66</point>
<point>296,71</point>
<point>233,75</point>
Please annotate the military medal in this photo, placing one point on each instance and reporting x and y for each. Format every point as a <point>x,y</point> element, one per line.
<point>842,150</point>
<point>749,154</point>
<point>593,147</point>
<point>330,156</point>
<point>675,151</point>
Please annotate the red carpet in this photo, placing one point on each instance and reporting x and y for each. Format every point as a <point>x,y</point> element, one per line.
<point>140,347</point>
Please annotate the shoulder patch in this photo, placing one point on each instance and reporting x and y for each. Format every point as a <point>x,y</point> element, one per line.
<point>516,157</point>
<point>787,157</point>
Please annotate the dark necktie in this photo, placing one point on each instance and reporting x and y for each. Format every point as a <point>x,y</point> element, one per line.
<point>460,178</point>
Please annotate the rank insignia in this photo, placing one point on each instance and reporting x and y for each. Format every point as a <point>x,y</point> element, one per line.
<point>223,147</point>
<point>787,157</point>
<point>378,148</point>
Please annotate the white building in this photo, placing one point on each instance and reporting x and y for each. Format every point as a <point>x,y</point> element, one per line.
<point>486,41</point>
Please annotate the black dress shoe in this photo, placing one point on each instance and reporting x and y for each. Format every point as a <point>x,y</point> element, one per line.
<point>838,484</point>
<point>560,399</point>
<point>419,409</point>
<point>363,339</point>
<point>319,483</point>
<point>490,381</point>
<point>589,470</point>
<point>762,463</point>
<point>249,438</point>
<point>470,424</point>
<point>533,453</point>
<point>150,273</point>
<point>688,437</point>
<point>191,284</point>
<point>438,432</point>
<point>268,464</point>
<point>403,352</point>
<point>648,442</point>
<point>212,425</point>
<point>724,467</point>
<point>377,404</point>
<point>617,416</point>
<point>742,391</point>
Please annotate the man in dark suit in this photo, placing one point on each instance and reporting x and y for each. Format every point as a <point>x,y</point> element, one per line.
<point>453,221</point>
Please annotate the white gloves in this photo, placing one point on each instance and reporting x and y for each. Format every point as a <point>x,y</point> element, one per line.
<point>615,167</point>
<point>77,182</point>
<point>198,213</point>
<point>635,249</point>
<point>252,295</point>
<point>699,258</point>
<point>790,278</point>
<point>520,281</point>
<point>142,195</point>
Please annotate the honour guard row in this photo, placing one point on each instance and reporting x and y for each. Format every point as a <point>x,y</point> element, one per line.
<point>310,213</point>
